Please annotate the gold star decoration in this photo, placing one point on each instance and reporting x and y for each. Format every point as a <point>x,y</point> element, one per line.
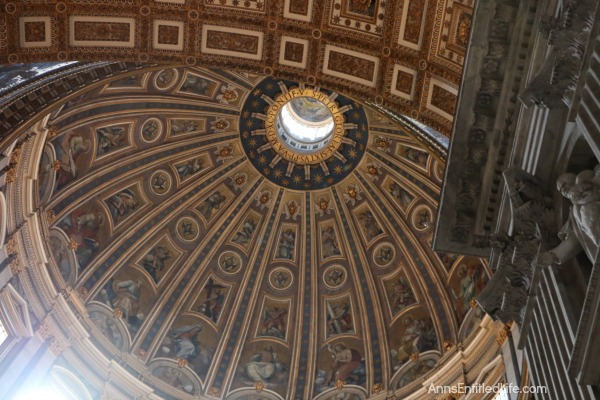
<point>257,92</point>
<point>356,115</point>
<point>83,292</point>
<point>330,181</point>
<point>252,142</point>
<point>262,160</point>
<point>269,86</point>
<point>252,154</point>
<point>246,114</point>
<point>246,134</point>
<point>338,169</point>
<point>363,128</point>
<point>50,216</point>
<point>361,146</point>
<point>182,362</point>
<point>318,178</point>
<point>473,303</point>
<point>249,123</point>
<point>307,184</point>
<point>296,178</point>
<point>358,135</point>
<point>286,182</point>
<point>352,153</point>
<point>259,386</point>
<point>255,104</point>
<point>267,171</point>
<point>447,344</point>
<point>277,173</point>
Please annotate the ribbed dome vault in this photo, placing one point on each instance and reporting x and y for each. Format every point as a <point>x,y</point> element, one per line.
<point>210,264</point>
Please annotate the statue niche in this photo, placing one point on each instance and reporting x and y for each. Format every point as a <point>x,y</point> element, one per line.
<point>582,229</point>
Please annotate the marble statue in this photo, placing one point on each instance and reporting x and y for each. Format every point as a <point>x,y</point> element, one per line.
<point>582,229</point>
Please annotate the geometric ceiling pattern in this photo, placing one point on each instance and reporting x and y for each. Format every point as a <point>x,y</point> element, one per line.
<point>214,278</point>
<point>404,55</point>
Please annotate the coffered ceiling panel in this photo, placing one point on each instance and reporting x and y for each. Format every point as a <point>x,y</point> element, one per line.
<point>404,55</point>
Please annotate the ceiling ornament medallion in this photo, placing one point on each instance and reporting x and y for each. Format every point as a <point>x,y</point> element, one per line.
<point>383,254</point>
<point>280,278</point>
<point>302,138</point>
<point>166,79</point>
<point>151,130</point>
<point>230,262</point>
<point>188,229</point>
<point>160,182</point>
<point>422,218</point>
<point>334,276</point>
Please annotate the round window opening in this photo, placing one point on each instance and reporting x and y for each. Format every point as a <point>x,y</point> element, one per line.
<point>305,125</point>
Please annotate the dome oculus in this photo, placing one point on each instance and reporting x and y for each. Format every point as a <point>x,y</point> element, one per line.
<point>304,126</point>
<point>302,138</point>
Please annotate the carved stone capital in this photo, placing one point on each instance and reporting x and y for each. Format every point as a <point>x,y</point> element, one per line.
<point>12,246</point>
<point>50,216</point>
<point>16,265</point>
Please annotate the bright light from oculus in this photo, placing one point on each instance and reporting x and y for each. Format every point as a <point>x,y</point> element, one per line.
<point>45,393</point>
<point>305,124</point>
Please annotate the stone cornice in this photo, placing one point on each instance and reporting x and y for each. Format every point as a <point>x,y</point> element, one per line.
<point>485,124</point>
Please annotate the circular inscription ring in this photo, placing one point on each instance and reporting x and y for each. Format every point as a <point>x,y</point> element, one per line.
<point>282,149</point>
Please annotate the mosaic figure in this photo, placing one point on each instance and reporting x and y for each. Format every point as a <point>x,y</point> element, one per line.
<point>418,336</point>
<point>83,227</point>
<point>401,295</point>
<point>369,225</point>
<point>274,321</point>
<point>287,244</point>
<point>195,84</point>
<point>122,204</point>
<point>404,198</point>
<point>107,326</point>
<point>180,126</point>
<point>174,378</point>
<point>264,365</point>
<point>189,168</point>
<point>214,298</point>
<point>329,242</point>
<point>185,340</point>
<point>345,365</point>
<point>244,235</point>
<point>154,261</point>
<point>339,318</point>
<point>110,138</point>
<point>69,149</point>
<point>472,280</point>
<point>417,156</point>
<point>211,204</point>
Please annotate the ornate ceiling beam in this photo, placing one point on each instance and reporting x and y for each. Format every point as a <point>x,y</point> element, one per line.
<point>405,56</point>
